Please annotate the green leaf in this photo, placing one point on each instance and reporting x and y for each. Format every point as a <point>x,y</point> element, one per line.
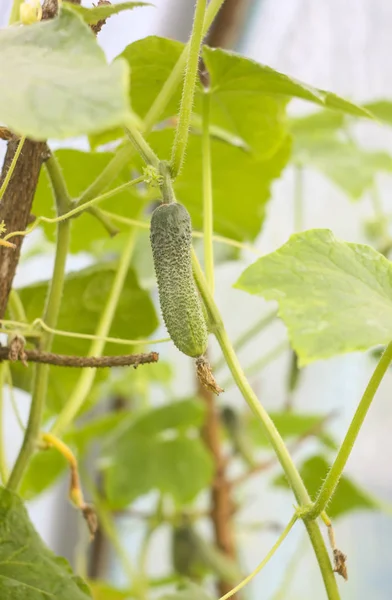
<point>140,465</point>
<point>28,569</point>
<point>290,425</point>
<point>189,591</point>
<point>80,169</point>
<point>56,82</point>
<point>152,60</point>
<point>180,415</point>
<point>85,295</point>
<point>248,100</point>
<point>381,109</point>
<point>44,470</point>
<point>321,123</point>
<point>350,167</point>
<point>98,13</point>
<point>241,184</point>
<point>334,297</point>
<point>144,457</point>
<point>348,495</point>
<point>231,72</point>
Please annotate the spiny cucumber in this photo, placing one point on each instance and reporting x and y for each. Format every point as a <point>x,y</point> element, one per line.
<point>171,239</point>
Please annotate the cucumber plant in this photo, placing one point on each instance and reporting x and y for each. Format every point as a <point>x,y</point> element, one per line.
<point>209,148</point>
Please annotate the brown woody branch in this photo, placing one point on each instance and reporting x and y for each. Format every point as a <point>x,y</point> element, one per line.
<point>222,506</point>
<point>62,360</point>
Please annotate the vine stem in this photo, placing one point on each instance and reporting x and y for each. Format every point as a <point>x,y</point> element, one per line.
<point>51,313</point>
<point>86,379</point>
<point>41,377</point>
<point>188,92</point>
<point>140,144</point>
<point>282,453</point>
<point>11,169</point>
<point>161,101</point>
<point>270,554</point>
<point>329,486</point>
<point>80,208</point>
<point>157,108</point>
<point>208,217</point>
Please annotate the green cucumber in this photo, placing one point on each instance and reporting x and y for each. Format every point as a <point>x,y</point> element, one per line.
<point>171,239</point>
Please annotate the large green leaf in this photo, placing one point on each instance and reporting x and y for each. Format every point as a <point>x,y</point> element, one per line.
<point>180,415</point>
<point>80,169</point>
<point>97,13</point>
<point>247,99</point>
<point>231,72</point>
<point>381,109</point>
<point>334,297</point>
<point>317,124</point>
<point>145,458</point>
<point>28,569</point>
<point>56,82</point>
<point>348,495</point>
<point>350,167</point>
<point>152,60</point>
<point>241,183</point>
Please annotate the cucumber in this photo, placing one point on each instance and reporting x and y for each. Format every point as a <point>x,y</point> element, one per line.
<point>171,239</point>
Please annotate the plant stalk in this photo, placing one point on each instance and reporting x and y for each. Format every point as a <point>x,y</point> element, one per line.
<point>141,146</point>
<point>41,377</point>
<point>188,93</point>
<point>282,453</point>
<point>329,486</point>
<point>208,215</point>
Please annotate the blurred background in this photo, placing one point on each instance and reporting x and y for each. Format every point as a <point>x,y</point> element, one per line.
<point>339,46</point>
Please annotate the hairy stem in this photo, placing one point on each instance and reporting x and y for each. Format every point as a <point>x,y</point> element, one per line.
<point>140,144</point>
<point>86,379</point>
<point>160,103</point>
<point>188,92</point>
<point>329,486</point>
<point>282,453</point>
<point>162,100</point>
<point>208,215</point>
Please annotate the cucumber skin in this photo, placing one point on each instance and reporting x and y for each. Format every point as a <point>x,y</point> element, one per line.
<point>171,239</point>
